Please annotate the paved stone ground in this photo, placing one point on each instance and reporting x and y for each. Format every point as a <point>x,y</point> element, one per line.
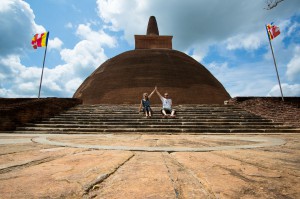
<point>149,166</point>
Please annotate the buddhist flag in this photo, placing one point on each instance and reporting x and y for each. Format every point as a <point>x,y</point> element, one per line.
<point>273,31</point>
<point>40,40</point>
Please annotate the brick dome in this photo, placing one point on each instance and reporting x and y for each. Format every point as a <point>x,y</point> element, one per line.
<point>124,78</point>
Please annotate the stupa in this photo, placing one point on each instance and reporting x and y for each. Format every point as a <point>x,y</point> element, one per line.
<point>124,78</point>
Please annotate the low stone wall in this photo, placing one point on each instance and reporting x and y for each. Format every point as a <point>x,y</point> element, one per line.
<point>287,100</point>
<point>18,111</point>
<point>287,111</point>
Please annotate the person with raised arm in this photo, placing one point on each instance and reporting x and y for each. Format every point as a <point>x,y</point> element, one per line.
<point>145,104</point>
<point>166,110</point>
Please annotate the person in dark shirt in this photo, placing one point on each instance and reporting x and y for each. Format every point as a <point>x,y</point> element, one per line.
<point>145,104</point>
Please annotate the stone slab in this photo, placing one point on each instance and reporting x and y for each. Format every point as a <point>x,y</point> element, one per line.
<point>240,166</point>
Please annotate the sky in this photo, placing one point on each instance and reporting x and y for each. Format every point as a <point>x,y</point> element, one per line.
<point>228,37</point>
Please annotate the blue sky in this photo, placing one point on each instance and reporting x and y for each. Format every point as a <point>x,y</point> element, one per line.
<point>227,37</point>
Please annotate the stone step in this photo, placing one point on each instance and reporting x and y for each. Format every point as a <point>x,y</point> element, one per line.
<point>133,109</point>
<point>150,130</point>
<point>81,106</point>
<point>154,126</point>
<point>130,108</point>
<point>137,116</point>
<point>190,119</point>
<point>159,119</point>
<point>162,122</point>
<point>155,113</point>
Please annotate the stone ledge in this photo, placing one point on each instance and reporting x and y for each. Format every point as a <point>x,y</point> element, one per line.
<point>17,111</point>
<point>287,112</point>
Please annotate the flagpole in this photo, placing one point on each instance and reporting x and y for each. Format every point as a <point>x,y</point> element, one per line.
<point>42,71</point>
<point>275,65</point>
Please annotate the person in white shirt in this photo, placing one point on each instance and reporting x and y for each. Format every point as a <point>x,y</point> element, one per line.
<point>166,105</point>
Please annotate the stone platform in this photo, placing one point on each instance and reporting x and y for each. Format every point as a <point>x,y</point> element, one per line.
<point>142,165</point>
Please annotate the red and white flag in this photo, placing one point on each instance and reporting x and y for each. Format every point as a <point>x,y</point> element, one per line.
<point>273,31</point>
<point>40,40</point>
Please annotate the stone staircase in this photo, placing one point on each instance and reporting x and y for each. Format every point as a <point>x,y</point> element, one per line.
<point>95,119</point>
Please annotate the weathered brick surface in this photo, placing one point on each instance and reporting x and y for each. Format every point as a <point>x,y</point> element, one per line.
<point>287,111</point>
<point>17,111</point>
<point>124,78</point>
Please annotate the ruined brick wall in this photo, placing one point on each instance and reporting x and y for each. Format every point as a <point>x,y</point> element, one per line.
<point>287,112</point>
<point>17,111</point>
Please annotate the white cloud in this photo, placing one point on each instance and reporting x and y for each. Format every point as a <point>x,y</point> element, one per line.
<point>69,25</point>
<point>17,26</point>
<point>287,90</point>
<point>75,8</point>
<point>128,16</point>
<point>293,67</point>
<point>244,41</point>
<point>194,22</point>
<point>80,61</point>
<point>28,73</point>
<point>218,68</point>
<point>5,5</point>
<point>292,29</point>
<point>198,53</point>
<point>98,37</point>
<point>87,54</point>
<point>61,80</point>
<point>246,80</point>
<point>27,86</point>
<point>7,93</point>
<point>17,80</point>
<point>10,67</point>
<point>55,43</point>
<point>73,84</point>
<point>16,30</point>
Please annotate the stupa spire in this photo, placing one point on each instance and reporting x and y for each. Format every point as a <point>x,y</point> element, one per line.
<point>152,28</point>
<point>152,39</point>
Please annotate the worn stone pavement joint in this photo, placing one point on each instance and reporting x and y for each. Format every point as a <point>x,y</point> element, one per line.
<point>27,164</point>
<point>98,180</point>
<point>175,186</point>
<point>186,184</point>
<point>206,186</point>
<point>88,187</point>
<point>258,165</point>
<point>238,175</point>
<point>256,142</point>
